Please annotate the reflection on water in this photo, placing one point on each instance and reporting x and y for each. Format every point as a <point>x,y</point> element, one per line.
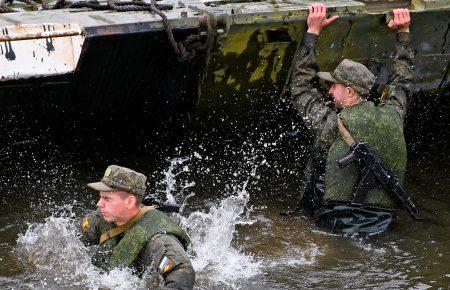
<point>232,199</point>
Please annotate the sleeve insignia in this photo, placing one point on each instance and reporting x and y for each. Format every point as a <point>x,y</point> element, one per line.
<point>85,224</point>
<point>166,265</point>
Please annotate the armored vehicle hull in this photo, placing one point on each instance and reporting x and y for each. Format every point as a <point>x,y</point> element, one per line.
<point>87,70</point>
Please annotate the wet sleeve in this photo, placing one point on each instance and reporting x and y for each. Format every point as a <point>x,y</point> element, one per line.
<point>401,82</point>
<point>319,118</point>
<point>166,254</point>
<point>89,228</point>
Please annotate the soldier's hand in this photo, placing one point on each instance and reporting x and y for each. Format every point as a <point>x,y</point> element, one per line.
<point>401,20</point>
<point>317,18</point>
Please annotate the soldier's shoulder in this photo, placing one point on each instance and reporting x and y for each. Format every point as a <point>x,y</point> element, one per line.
<point>169,247</point>
<point>88,226</point>
<point>92,217</point>
<point>92,224</point>
<point>158,216</point>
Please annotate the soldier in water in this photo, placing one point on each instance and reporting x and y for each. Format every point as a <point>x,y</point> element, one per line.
<point>131,235</point>
<point>329,193</point>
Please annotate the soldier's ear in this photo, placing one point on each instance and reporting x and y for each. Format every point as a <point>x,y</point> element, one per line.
<point>131,201</point>
<point>350,91</point>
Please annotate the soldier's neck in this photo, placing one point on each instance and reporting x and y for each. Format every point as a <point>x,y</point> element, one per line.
<point>128,216</point>
<point>354,103</point>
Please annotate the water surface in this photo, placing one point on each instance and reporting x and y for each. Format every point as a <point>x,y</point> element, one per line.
<point>232,195</point>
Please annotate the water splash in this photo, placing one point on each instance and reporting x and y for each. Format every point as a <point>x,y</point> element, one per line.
<point>212,235</point>
<point>58,259</point>
<point>172,188</point>
<point>216,260</point>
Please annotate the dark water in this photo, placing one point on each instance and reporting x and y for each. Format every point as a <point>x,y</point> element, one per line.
<point>233,189</point>
<point>264,251</point>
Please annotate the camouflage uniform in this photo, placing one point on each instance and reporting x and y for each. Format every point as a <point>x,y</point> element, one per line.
<point>320,119</point>
<point>154,244</point>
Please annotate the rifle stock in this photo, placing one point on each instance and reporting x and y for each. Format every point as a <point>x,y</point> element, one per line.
<point>162,206</point>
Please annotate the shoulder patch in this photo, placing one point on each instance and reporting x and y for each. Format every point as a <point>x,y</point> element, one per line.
<point>85,224</point>
<point>166,265</point>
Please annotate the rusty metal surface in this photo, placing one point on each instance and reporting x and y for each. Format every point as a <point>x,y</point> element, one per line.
<point>27,32</point>
<point>28,51</point>
<point>93,18</point>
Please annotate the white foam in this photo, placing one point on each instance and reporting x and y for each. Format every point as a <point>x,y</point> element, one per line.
<point>170,179</point>
<point>212,235</point>
<point>57,257</point>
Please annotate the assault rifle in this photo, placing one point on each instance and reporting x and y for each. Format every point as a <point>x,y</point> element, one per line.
<point>374,173</point>
<point>151,199</point>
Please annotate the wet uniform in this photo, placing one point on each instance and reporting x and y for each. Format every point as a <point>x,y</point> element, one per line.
<point>321,119</point>
<point>163,253</point>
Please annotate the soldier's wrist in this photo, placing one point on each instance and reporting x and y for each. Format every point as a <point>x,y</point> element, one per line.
<point>403,37</point>
<point>313,30</point>
<point>310,39</point>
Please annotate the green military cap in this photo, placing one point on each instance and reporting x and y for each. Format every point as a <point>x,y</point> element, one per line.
<point>352,74</point>
<point>118,178</point>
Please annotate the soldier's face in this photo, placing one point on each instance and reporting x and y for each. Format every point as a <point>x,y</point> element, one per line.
<point>339,93</point>
<point>113,206</point>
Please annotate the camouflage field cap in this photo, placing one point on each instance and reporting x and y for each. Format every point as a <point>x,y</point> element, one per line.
<point>118,178</point>
<point>352,74</point>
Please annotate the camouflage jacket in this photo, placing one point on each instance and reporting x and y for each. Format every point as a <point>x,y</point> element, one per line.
<point>161,253</point>
<point>319,118</point>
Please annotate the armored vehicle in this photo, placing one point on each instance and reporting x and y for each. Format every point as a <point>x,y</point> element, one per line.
<point>110,66</point>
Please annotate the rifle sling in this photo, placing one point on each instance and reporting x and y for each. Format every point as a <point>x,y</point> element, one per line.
<point>367,181</point>
<point>348,138</point>
<point>126,226</point>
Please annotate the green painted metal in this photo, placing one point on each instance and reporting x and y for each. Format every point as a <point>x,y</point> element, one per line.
<point>254,43</point>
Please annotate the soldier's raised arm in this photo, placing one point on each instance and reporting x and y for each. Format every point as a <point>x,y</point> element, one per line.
<point>306,99</point>
<point>401,83</point>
